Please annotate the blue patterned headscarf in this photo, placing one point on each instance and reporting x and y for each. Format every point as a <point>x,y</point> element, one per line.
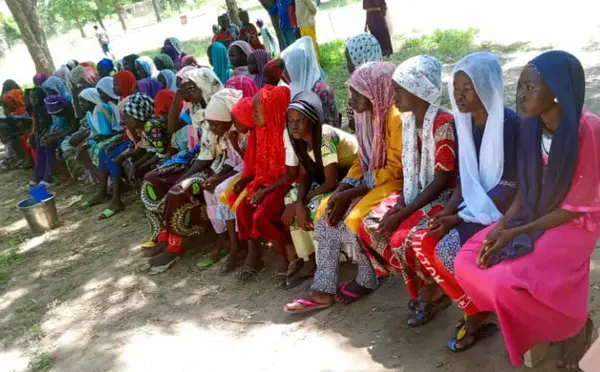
<point>56,84</point>
<point>220,60</point>
<point>541,191</point>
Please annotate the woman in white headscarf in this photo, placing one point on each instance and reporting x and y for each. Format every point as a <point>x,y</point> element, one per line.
<point>219,117</point>
<point>177,184</point>
<point>303,72</point>
<point>428,168</point>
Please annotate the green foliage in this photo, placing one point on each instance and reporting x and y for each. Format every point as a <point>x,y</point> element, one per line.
<point>9,257</point>
<point>41,361</point>
<point>11,30</point>
<point>446,45</point>
<point>333,62</point>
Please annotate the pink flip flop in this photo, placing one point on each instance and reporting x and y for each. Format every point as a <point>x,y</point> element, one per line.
<point>308,306</point>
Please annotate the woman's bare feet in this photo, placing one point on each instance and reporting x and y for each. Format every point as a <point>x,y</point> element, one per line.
<point>316,297</point>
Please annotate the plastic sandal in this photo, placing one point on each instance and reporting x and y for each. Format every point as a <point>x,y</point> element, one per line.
<point>484,331</point>
<point>107,213</point>
<point>309,306</point>
<point>246,273</point>
<point>206,262</point>
<point>425,312</point>
<point>350,296</point>
<point>155,270</point>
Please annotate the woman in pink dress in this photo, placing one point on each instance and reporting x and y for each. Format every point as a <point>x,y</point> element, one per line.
<point>532,267</point>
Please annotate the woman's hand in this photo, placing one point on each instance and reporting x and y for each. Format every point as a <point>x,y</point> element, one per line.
<point>493,246</point>
<point>258,197</point>
<point>241,184</point>
<point>336,208</point>
<point>390,222</point>
<point>304,219</point>
<point>441,223</point>
<point>288,215</point>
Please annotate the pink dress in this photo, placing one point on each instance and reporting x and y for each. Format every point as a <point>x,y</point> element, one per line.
<point>543,296</point>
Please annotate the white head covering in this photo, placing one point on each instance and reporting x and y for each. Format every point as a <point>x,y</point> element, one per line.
<point>220,104</point>
<point>477,178</point>
<point>92,95</point>
<point>209,84</point>
<point>148,65</point>
<point>302,65</point>
<point>106,85</point>
<point>421,76</point>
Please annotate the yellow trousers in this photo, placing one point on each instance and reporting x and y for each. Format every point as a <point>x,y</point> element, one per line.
<point>312,33</point>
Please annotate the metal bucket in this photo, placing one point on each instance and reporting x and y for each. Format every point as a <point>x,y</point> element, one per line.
<point>42,216</point>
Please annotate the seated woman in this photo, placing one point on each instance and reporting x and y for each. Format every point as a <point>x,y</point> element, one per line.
<point>429,167</point>
<point>325,154</point>
<point>218,57</point>
<point>239,51</point>
<point>218,116</point>
<point>105,130</point>
<point>177,185</point>
<point>244,144</point>
<point>303,72</point>
<point>164,62</point>
<point>167,79</point>
<point>375,174</point>
<point>42,123</point>
<point>189,60</point>
<point>259,212</point>
<point>124,83</point>
<point>487,142</point>
<point>256,65</point>
<point>145,68</point>
<point>148,135</point>
<point>243,83</point>
<point>14,128</point>
<point>148,86</point>
<point>62,123</point>
<point>532,267</point>
<point>273,72</point>
<point>359,50</point>
<point>174,48</point>
<point>105,67</point>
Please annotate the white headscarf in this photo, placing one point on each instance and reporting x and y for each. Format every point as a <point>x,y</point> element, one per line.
<point>477,178</point>
<point>421,76</point>
<point>206,80</point>
<point>302,65</point>
<point>106,85</point>
<point>220,104</point>
<point>92,95</point>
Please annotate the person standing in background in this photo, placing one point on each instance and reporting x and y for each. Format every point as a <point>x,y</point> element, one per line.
<point>271,8</point>
<point>103,39</point>
<point>306,12</point>
<point>376,24</point>
<point>286,26</point>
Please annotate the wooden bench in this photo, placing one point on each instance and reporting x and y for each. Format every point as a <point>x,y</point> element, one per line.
<point>535,355</point>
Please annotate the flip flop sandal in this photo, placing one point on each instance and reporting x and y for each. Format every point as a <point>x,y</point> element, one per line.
<point>224,270</point>
<point>425,312</point>
<point>149,244</point>
<point>155,270</point>
<point>349,294</point>
<point>484,331</point>
<point>295,280</point>
<point>107,213</point>
<point>309,306</point>
<point>414,304</point>
<point>206,262</point>
<point>246,273</point>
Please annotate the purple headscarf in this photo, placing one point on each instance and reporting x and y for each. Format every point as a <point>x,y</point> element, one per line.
<point>149,87</point>
<point>56,103</point>
<point>172,52</point>
<point>39,78</point>
<point>261,57</point>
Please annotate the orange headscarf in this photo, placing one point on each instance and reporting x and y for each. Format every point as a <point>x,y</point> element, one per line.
<point>125,79</point>
<point>270,151</point>
<point>242,112</point>
<point>14,98</point>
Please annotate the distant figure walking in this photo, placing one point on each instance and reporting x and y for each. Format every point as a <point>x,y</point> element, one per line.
<point>377,25</point>
<point>103,39</point>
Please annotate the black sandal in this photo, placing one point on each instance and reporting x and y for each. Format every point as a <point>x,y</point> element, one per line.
<point>426,311</point>
<point>485,330</point>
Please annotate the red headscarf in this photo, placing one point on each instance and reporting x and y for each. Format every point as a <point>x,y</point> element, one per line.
<point>273,70</point>
<point>270,152</point>
<point>242,112</point>
<point>243,83</point>
<point>125,79</point>
<point>163,101</point>
<point>14,98</point>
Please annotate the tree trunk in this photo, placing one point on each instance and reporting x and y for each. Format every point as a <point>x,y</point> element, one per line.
<point>121,18</point>
<point>26,16</point>
<point>232,10</point>
<point>99,19</point>
<point>156,10</point>
<point>80,27</point>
